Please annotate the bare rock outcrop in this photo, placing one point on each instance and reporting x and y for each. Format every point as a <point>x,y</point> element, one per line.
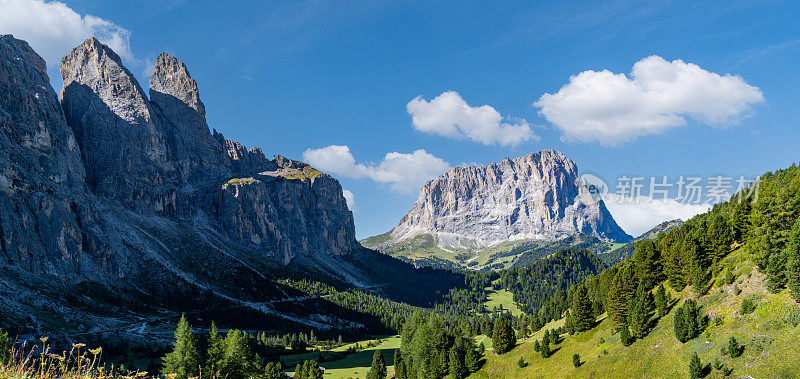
<point>535,196</point>
<point>110,192</point>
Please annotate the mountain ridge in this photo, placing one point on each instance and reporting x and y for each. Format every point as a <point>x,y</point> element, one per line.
<point>535,197</point>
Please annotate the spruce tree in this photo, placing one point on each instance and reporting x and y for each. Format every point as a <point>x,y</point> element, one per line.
<point>582,314</point>
<point>662,300</point>
<point>545,348</point>
<point>625,336</point>
<point>733,347</point>
<point>568,325</point>
<point>695,367</point>
<point>537,346</point>
<point>238,360</point>
<point>680,328</point>
<point>793,258</point>
<point>576,360</point>
<point>399,365</point>
<point>378,368</point>
<point>273,370</point>
<point>470,360</point>
<point>184,359</point>
<point>641,312</point>
<point>618,302</point>
<point>776,271</point>
<point>503,337</point>
<point>215,351</point>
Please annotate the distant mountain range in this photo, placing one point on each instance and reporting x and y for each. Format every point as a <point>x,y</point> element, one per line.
<point>117,208</point>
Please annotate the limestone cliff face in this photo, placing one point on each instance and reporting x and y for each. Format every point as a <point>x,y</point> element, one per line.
<point>535,196</point>
<point>136,195</point>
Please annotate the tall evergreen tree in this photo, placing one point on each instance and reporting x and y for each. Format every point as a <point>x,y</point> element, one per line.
<point>568,324</point>
<point>793,258</point>
<point>273,370</point>
<point>503,337</point>
<point>399,365</point>
<point>646,258</point>
<point>378,368</point>
<point>545,348</point>
<point>215,351</point>
<point>625,336</point>
<point>457,367</point>
<point>618,300</point>
<point>662,300</point>
<point>582,314</point>
<point>184,359</point>
<point>238,360</point>
<point>776,271</point>
<point>695,367</point>
<point>641,312</point>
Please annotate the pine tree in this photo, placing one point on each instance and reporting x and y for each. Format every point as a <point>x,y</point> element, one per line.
<point>642,310</point>
<point>576,360</point>
<point>545,348</point>
<point>184,359</point>
<point>625,336</point>
<point>618,300</point>
<point>238,360</point>
<point>688,321</point>
<point>568,325</point>
<point>793,258</point>
<point>776,271</point>
<point>646,258</point>
<point>273,370</point>
<point>733,347</point>
<point>378,368</point>
<point>537,346</point>
<point>662,300</point>
<point>680,328</point>
<point>399,365</point>
<point>215,351</point>
<point>582,314</point>
<point>695,367</point>
<point>503,337</point>
<point>470,360</point>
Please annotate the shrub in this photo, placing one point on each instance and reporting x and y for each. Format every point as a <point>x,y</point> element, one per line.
<point>576,360</point>
<point>734,349</point>
<point>521,362</point>
<point>747,307</point>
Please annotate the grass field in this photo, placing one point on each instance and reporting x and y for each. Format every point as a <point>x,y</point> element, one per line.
<point>355,365</point>
<point>502,298</point>
<point>770,337</point>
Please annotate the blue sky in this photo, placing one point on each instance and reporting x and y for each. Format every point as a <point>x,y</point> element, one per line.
<point>298,75</point>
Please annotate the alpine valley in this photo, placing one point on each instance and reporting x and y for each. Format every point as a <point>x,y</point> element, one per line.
<point>137,241</point>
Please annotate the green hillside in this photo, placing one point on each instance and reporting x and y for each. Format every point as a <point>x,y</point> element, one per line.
<point>770,335</point>
<point>423,251</point>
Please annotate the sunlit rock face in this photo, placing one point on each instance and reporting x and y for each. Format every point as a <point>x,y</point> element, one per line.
<point>536,196</point>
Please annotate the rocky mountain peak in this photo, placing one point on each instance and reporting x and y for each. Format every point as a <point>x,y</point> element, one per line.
<point>535,196</point>
<point>171,77</point>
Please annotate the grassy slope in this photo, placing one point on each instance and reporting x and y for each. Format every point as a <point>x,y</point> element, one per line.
<point>660,354</point>
<point>424,251</point>
<point>353,365</point>
<point>504,298</point>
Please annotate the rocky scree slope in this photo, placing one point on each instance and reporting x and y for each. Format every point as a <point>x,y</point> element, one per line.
<point>113,199</point>
<point>533,197</point>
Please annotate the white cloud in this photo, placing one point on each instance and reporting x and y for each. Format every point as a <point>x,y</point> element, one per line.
<point>639,215</point>
<point>351,200</point>
<point>450,116</point>
<point>613,108</point>
<point>405,173</point>
<point>53,29</point>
